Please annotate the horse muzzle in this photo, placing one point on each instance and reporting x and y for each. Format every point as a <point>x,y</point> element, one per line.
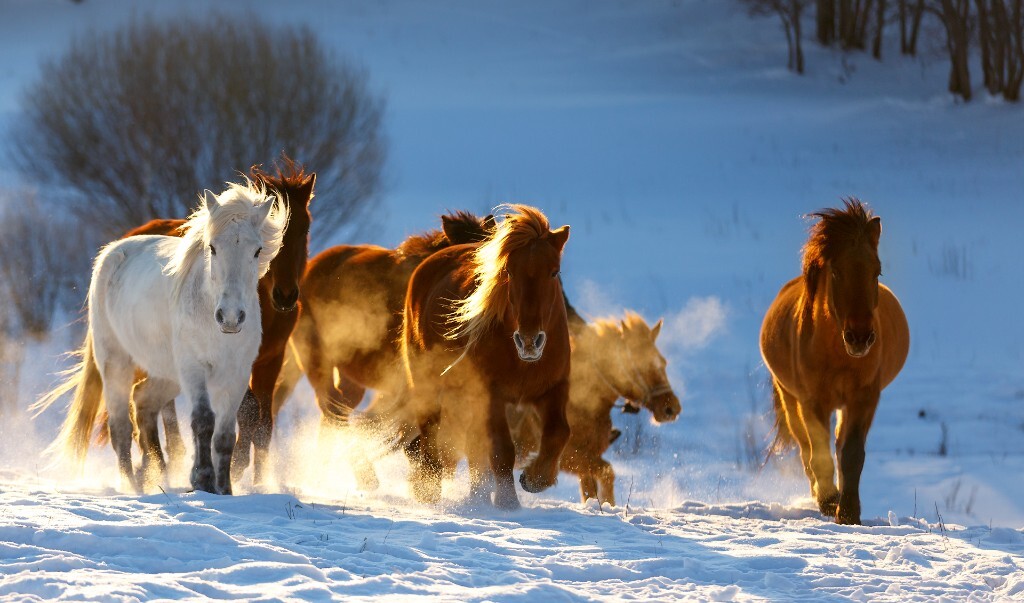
<point>230,323</point>
<point>284,302</point>
<point>530,348</point>
<point>858,344</point>
<point>665,407</point>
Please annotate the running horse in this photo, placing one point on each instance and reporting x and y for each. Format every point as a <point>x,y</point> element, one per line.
<point>484,327</point>
<point>833,339</point>
<point>175,308</point>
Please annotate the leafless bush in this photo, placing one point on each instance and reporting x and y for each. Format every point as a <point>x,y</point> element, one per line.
<point>44,260</point>
<point>132,124</point>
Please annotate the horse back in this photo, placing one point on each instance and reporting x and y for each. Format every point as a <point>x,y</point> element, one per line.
<point>165,227</point>
<point>895,338</point>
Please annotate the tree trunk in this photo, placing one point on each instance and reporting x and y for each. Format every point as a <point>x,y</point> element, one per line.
<point>987,40</point>
<point>876,47</point>
<point>797,8</point>
<point>954,16</point>
<point>825,21</point>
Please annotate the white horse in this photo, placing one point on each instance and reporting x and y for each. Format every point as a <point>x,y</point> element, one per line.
<point>186,311</point>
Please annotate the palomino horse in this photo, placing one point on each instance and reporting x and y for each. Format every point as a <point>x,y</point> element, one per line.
<point>485,326</point>
<point>610,360</point>
<point>185,311</point>
<point>278,296</point>
<point>833,339</point>
<point>351,317</point>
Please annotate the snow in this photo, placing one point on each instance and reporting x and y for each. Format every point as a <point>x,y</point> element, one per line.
<point>682,154</point>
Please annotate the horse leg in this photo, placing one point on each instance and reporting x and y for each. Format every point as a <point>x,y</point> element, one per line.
<point>202,477</point>
<point>542,473</point>
<point>291,372</point>
<point>118,375</point>
<point>852,430</point>
<point>337,403</point>
<point>248,418</point>
<point>225,397</point>
<point>791,416</point>
<point>815,420</point>
<point>425,457</point>
<point>264,378</point>
<point>503,454</point>
<point>172,432</point>
<point>150,396</point>
<point>605,482</point>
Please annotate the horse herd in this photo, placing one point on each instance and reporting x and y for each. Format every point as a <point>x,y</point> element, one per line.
<point>464,335</point>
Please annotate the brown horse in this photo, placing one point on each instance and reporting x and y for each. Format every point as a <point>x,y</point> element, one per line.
<point>833,339</point>
<point>350,318</point>
<point>485,326</point>
<point>610,360</point>
<point>278,294</point>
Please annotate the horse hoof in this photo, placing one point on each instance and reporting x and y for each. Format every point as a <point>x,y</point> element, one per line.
<point>202,479</point>
<point>531,486</point>
<point>828,506</point>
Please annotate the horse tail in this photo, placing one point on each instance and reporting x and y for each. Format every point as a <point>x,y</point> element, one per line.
<point>85,381</point>
<point>784,438</point>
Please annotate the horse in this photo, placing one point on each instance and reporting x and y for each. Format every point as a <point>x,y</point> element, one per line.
<point>351,305</point>
<point>832,340</point>
<point>485,326</point>
<point>610,360</point>
<point>278,298</point>
<point>175,308</point>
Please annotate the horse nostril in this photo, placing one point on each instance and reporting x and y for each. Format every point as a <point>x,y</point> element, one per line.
<point>670,411</point>
<point>219,316</point>
<point>538,341</point>
<point>241,317</point>
<point>518,339</point>
<point>849,336</point>
<point>871,338</point>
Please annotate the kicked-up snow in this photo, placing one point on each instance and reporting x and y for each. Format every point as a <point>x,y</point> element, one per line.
<point>683,155</point>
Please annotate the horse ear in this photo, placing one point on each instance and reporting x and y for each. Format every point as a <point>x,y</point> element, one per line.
<point>450,228</point>
<point>210,199</point>
<point>308,185</point>
<point>656,329</point>
<point>559,237</point>
<point>875,230</point>
<point>263,209</point>
<point>488,222</point>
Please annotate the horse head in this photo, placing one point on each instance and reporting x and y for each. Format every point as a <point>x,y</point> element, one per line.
<point>640,370</point>
<point>850,264</point>
<point>295,187</point>
<point>534,291</point>
<point>241,232</point>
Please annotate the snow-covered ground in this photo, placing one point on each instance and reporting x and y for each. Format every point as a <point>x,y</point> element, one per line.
<point>683,155</point>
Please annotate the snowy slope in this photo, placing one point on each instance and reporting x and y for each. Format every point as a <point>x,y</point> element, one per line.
<point>682,154</point>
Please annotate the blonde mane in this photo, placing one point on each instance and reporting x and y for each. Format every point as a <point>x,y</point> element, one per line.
<point>473,315</point>
<point>239,202</point>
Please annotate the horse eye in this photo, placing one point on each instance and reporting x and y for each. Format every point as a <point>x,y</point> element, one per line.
<point>555,273</point>
<point>213,250</point>
<point>257,254</point>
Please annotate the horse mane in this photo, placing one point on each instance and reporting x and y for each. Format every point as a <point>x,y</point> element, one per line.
<point>835,231</point>
<point>237,203</point>
<point>289,176</point>
<point>474,314</point>
<point>432,241</point>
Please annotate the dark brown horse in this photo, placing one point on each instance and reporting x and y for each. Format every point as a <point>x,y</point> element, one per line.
<point>611,359</point>
<point>278,294</point>
<point>485,326</point>
<point>351,316</point>
<point>833,339</point>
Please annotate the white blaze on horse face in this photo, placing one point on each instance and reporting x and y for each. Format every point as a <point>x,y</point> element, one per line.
<point>233,261</point>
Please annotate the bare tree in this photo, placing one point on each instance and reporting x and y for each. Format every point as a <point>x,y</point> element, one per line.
<point>131,125</point>
<point>1000,29</point>
<point>825,21</point>
<point>910,14</point>
<point>789,12</point>
<point>43,257</point>
<point>955,18</point>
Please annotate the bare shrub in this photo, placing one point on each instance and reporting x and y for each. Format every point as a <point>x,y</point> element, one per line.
<point>44,261</point>
<point>130,125</point>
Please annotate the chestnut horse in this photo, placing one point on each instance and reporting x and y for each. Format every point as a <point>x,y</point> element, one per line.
<point>833,339</point>
<point>350,318</point>
<point>278,293</point>
<point>485,326</point>
<point>610,360</point>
